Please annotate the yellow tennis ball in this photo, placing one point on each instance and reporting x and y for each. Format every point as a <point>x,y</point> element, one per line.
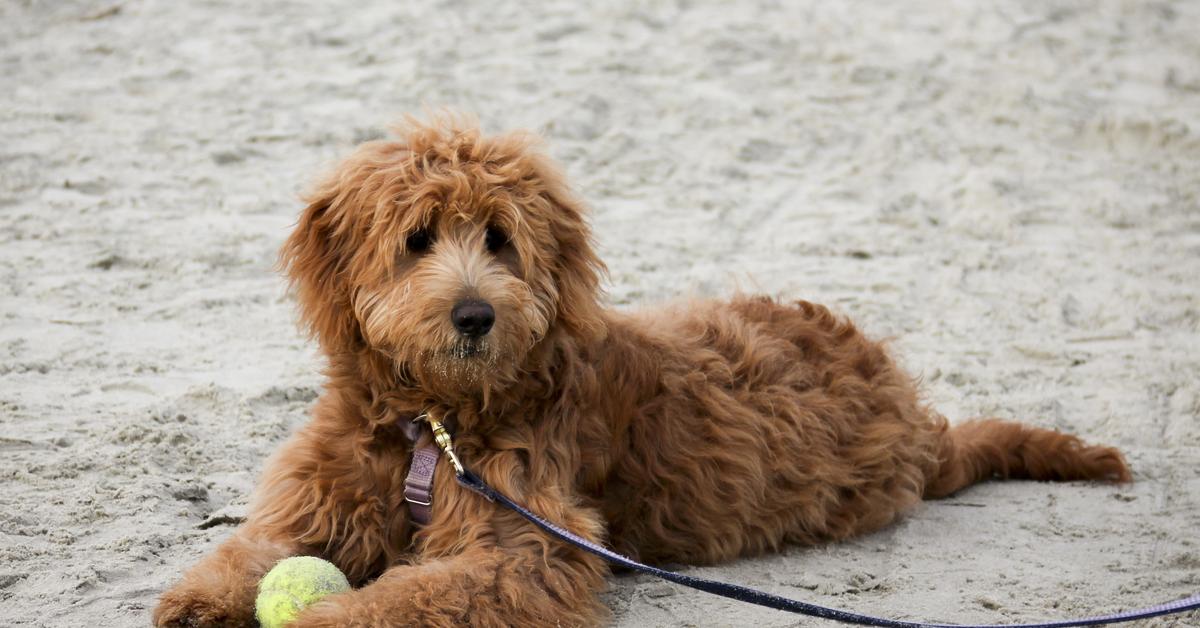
<point>293,584</point>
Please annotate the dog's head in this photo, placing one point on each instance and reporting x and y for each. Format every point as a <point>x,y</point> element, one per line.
<point>451,253</point>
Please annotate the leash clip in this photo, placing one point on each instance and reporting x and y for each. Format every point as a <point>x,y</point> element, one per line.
<point>442,437</point>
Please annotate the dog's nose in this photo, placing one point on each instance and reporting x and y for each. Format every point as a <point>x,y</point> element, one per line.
<point>473,318</point>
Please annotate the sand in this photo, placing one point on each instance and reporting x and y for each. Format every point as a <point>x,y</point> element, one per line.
<point>1010,193</point>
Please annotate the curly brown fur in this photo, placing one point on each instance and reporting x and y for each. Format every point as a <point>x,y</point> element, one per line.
<point>697,433</point>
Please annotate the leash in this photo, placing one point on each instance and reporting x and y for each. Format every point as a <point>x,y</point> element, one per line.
<point>762,598</point>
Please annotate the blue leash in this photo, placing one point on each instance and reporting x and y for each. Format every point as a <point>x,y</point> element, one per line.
<point>761,598</point>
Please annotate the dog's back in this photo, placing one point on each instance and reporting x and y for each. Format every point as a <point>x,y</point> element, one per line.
<point>760,423</point>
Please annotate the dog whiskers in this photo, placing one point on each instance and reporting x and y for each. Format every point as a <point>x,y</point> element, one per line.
<point>466,360</point>
<point>467,348</point>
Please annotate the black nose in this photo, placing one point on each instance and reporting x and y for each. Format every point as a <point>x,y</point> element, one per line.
<point>473,318</point>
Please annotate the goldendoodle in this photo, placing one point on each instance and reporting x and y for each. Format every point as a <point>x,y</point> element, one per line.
<point>451,272</point>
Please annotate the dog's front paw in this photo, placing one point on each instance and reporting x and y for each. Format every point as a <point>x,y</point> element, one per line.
<point>193,607</point>
<point>330,612</point>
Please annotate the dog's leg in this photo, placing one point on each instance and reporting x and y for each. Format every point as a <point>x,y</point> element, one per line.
<point>978,450</point>
<point>220,589</point>
<point>310,501</point>
<point>482,567</point>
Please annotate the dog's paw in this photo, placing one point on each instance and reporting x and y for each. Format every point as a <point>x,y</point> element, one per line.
<point>191,607</point>
<point>330,612</point>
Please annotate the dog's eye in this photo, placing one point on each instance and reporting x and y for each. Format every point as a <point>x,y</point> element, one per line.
<point>418,241</point>
<point>495,239</point>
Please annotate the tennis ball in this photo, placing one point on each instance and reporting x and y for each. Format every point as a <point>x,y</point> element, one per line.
<point>293,584</point>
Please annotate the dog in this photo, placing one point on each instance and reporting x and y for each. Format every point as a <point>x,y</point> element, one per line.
<point>449,272</point>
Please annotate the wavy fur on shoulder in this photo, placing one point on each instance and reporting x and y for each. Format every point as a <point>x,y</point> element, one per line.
<point>695,433</point>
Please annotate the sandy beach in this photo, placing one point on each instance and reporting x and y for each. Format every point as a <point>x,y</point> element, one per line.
<point>1009,192</point>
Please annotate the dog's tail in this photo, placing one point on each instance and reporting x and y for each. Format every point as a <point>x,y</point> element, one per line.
<point>978,450</point>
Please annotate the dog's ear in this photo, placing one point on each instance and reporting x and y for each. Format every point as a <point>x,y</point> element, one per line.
<point>314,259</point>
<point>578,270</point>
<point>318,256</point>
